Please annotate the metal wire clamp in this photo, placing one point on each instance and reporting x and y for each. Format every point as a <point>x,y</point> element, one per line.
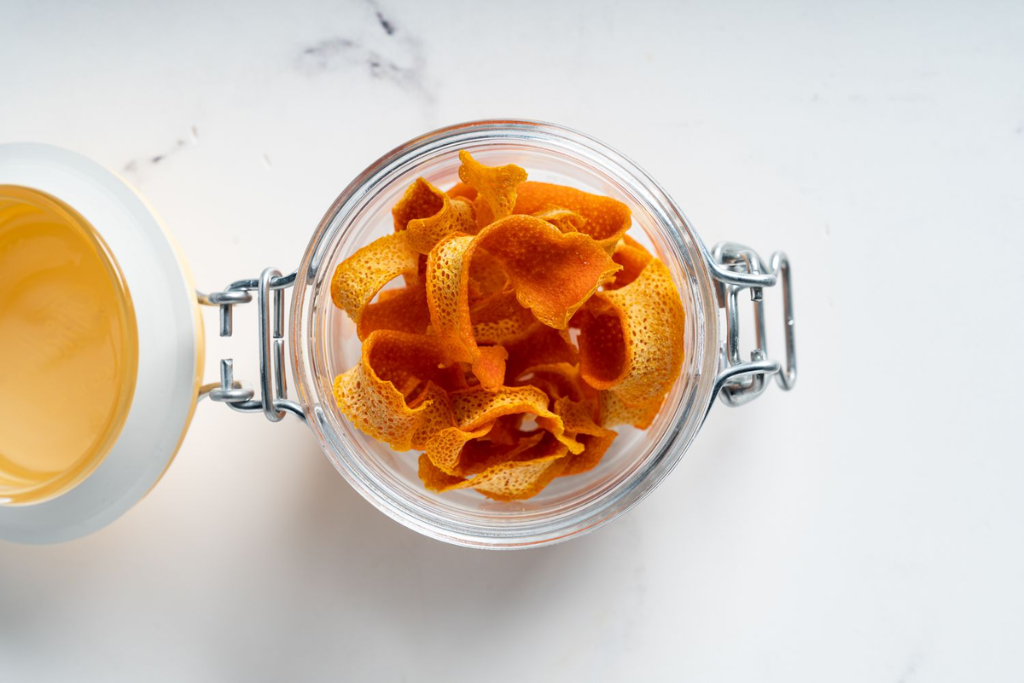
<point>273,401</point>
<point>735,267</point>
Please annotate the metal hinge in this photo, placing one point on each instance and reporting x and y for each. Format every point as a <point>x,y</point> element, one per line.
<point>734,268</point>
<point>273,401</point>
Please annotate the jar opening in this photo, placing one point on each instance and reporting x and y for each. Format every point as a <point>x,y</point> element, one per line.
<point>68,347</point>
<point>325,343</point>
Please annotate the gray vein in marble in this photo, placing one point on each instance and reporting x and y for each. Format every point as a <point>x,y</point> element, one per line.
<point>135,166</point>
<point>400,61</point>
<point>334,54</point>
<point>385,24</point>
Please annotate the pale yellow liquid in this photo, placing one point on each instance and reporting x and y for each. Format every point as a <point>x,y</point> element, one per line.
<point>68,347</point>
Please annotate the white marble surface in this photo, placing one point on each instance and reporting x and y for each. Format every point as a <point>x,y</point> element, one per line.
<point>865,527</point>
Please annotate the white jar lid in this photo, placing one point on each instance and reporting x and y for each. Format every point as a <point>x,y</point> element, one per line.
<point>170,344</point>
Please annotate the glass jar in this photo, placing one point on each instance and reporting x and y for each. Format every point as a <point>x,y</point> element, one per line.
<point>322,342</point>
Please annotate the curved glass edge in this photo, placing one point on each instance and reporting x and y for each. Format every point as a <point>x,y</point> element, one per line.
<point>671,447</point>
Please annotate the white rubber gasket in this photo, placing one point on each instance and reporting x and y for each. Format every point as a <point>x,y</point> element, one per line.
<point>169,335</point>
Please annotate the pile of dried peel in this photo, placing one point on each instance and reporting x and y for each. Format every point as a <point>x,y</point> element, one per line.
<point>497,272</point>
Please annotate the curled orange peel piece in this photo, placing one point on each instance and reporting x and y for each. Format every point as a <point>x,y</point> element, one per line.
<point>500,318</point>
<point>553,274</point>
<point>448,297</point>
<point>429,215</point>
<point>445,447</point>
<point>541,346</point>
<point>380,410</point>
<point>463,190</point>
<point>448,301</point>
<point>563,219</point>
<point>460,453</point>
<point>633,258</point>
<point>402,310</point>
<point>631,339</point>
<point>474,408</point>
<point>495,186</point>
<point>578,419</point>
<point>421,200</point>
<point>606,219</point>
<point>614,411</point>
<point>358,278</point>
<point>373,393</point>
<point>486,277</point>
<point>523,476</point>
<point>482,454</point>
<point>558,380</point>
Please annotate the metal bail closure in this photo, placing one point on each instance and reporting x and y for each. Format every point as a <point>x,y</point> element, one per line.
<point>734,268</point>
<point>273,401</point>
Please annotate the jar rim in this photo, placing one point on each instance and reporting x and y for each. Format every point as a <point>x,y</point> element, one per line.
<point>689,410</point>
<point>169,335</point>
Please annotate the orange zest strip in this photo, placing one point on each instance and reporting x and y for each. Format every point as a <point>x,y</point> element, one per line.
<point>633,258</point>
<point>358,278</point>
<point>463,190</point>
<point>371,393</point>
<point>578,419</point>
<point>563,219</point>
<point>524,476</point>
<point>632,339</point>
<point>606,219</point>
<point>402,310</point>
<point>448,297</point>
<point>543,345</point>
<point>553,274</point>
<point>495,186</point>
<point>614,411</point>
<point>428,215</point>
<point>501,318</point>
<point>476,407</point>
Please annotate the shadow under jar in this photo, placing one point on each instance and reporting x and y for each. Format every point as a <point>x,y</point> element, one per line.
<point>320,341</point>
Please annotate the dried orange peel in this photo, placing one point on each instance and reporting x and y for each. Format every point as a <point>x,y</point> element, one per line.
<point>358,278</point>
<point>474,408</point>
<point>633,258</point>
<point>428,214</point>
<point>402,310</point>
<point>371,394</point>
<point>522,476</point>
<point>447,288</point>
<point>553,273</point>
<point>631,339</point>
<point>613,411</point>
<point>495,186</point>
<point>500,319</point>
<point>604,219</point>
<point>563,219</point>
<point>541,346</point>
<point>578,419</point>
<point>528,326</point>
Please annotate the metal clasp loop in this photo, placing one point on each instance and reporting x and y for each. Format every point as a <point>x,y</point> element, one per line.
<point>734,268</point>
<point>273,401</point>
